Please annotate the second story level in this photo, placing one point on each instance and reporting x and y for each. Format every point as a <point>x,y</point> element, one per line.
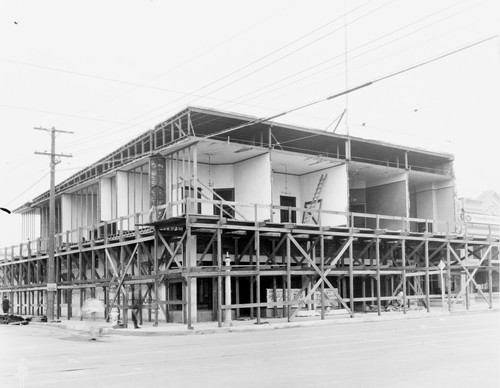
<point>221,164</point>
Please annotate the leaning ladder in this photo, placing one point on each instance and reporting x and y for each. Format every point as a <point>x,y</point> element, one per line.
<point>308,217</point>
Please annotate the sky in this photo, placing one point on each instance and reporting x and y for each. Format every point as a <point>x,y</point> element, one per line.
<point>109,70</point>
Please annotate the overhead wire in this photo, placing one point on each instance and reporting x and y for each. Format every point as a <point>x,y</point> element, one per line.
<point>192,58</point>
<point>290,53</point>
<point>28,189</point>
<point>357,48</point>
<point>362,66</point>
<point>364,85</point>
<point>244,67</point>
<point>308,44</point>
<point>369,42</point>
<point>350,90</point>
<point>361,86</point>
<point>134,84</point>
<point>125,123</point>
<point>349,51</point>
<point>104,133</point>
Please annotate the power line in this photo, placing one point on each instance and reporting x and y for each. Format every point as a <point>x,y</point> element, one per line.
<point>435,59</point>
<point>349,51</point>
<point>28,189</point>
<point>288,54</point>
<point>192,58</point>
<point>352,50</point>
<point>256,61</point>
<point>362,86</point>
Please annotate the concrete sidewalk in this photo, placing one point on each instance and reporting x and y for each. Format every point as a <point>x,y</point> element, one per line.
<point>200,328</point>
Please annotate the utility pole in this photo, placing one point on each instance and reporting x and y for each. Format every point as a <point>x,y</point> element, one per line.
<point>51,274</point>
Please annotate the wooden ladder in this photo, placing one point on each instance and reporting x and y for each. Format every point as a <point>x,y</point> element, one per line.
<point>308,217</point>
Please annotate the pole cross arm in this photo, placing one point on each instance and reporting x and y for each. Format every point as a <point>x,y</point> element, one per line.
<point>51,154</point>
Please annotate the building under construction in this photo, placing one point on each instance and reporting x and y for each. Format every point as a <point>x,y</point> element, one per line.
<point>213,216</point>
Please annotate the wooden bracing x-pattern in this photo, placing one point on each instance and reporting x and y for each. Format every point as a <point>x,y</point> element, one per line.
<point>470,276</point>
<point>321,274</point>
<point>172,253</point>
<point>123,276</point>
<point>173,258</point>
<point>359,260</point>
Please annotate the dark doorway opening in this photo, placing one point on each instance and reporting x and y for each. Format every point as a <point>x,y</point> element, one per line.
<point>288,216</point>
<point>225,195</point>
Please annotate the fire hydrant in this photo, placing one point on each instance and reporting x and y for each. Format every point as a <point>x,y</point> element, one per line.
<point>114,314</point>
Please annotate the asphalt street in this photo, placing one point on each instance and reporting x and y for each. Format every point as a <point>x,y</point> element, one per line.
<point>450,351</point>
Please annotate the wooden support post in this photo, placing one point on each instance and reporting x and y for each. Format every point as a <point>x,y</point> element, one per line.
<point>377,263</point>
<point>322,267</point>
<point>490,279</point>
<point>251,286</point>
<point>227,291</point>
<point>275,309</point>
<point>237,279</point>
<point>343,281</point>
<point>403,259</point>
<point>125,308</point>
<point>351,277</point>
<point>363,292</point>
<point>467,275</point>
<point>82,301</point>
<point>448,273</point>
<point>167,298</point>
<point>58,315</point>
<point>288,276</point>
<point>69,297</point>
<point>195,177</point>
<point>219,277</point>
<point>28,295</point>
<point>257,260</point>
<point>189,263</point>
<point>427,280</point>
<point>155,275</point>
<point>372,290</point>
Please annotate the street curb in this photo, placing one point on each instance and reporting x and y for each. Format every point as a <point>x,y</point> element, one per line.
<point>106,330</point>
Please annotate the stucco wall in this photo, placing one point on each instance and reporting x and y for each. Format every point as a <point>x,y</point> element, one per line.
<point>387,199</point>
<point>252,178</point>
<point>334,194</point>
<point>445,208</point>
<point>436,201</point>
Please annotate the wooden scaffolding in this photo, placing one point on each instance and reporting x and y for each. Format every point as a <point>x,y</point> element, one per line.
<point>181,268</point>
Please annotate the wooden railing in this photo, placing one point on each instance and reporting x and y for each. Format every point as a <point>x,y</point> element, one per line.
<point>140,223</point>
